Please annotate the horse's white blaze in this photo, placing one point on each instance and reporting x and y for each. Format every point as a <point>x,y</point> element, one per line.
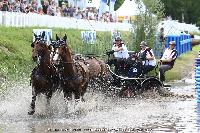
<point>55,58</point>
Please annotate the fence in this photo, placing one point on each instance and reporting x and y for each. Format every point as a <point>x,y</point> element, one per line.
<point>32,19</point>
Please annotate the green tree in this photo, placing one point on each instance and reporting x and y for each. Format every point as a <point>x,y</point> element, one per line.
<point>118,3</point>
<point>183,10</point>
<point>146,22</point>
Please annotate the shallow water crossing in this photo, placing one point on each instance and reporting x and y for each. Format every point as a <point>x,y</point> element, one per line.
<point>154,113</point>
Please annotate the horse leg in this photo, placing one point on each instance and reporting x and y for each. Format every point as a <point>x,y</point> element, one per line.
<point>77,94</point>
<point>67,95</point>
<point>84,91</point>
<point>48,97</point>
<point>67,98</point>
<point>32,111</point>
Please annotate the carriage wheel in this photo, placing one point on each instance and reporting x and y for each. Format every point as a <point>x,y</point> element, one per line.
<point>152,84</point>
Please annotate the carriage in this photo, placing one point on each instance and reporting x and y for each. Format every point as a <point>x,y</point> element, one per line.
<point>129,76</point>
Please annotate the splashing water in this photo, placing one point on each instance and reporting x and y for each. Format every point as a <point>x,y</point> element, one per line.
<point>156,113</point>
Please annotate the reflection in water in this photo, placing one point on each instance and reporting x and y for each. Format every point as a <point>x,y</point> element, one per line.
<point>159,114</point>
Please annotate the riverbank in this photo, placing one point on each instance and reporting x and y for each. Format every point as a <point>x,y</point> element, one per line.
<point>184,65</point>
<point>15,51</point>
<point>15,48</point>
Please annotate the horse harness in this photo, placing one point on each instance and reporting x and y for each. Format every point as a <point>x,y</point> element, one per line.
<point>36,72</point>
<point>78,68</point>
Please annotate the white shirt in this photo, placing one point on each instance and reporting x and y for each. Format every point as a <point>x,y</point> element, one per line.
<point>168,54</point>
<point>122,53</point>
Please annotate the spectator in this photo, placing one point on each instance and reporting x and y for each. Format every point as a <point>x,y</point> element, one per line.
<point>111,18</point>
<point>162,36</point>
<point>5,6</point>
<point>27,9</point>
<point>45,6</point>
<point>16,6</point>
<point>91,14</point>
<point>160,45</point>
<point>23,6</point>
<point>84,14</point>
<point>34,5</point>
<point>52,9</point>
<point>79,15</point>
<point>64,10</point>
<point>58,12</point>
<point>71,11</point>
<point>40,11</point>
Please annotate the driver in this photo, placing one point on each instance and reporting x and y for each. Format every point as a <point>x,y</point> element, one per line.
<point>120,53</point>
<point>120,49</point>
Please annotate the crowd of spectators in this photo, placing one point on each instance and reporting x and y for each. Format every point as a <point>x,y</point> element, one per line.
<point>49,7</point>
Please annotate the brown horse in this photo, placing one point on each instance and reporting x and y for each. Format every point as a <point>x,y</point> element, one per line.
<point>98,70</point>
<point>75,74</point>
<point>43,76</point>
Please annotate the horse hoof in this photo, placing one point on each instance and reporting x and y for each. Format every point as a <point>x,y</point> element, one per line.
<point>31,112</point>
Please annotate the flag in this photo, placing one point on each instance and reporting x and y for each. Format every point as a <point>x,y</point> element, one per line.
<point>102,8</point>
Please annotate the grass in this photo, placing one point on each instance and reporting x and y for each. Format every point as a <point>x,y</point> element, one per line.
<point>15,51</point>
<point>184,65</point>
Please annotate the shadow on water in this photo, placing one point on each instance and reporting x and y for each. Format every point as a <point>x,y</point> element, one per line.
<point>147,114</point>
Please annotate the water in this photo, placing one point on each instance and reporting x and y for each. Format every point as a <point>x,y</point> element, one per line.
<point>148,114</point>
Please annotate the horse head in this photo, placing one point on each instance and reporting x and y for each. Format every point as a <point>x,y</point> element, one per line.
<point>39,46</point>
<point>62,41</point>
<point>63,49</point>
<point>39,50</point>
<point>38,38</point>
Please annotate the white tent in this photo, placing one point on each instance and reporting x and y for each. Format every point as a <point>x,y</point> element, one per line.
<point>129,8</point>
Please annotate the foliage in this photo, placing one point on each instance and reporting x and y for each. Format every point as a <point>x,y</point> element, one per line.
<point>117,5</point>
<point>183,10</point>
<point>14,48</point>
<point>145,25</point>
